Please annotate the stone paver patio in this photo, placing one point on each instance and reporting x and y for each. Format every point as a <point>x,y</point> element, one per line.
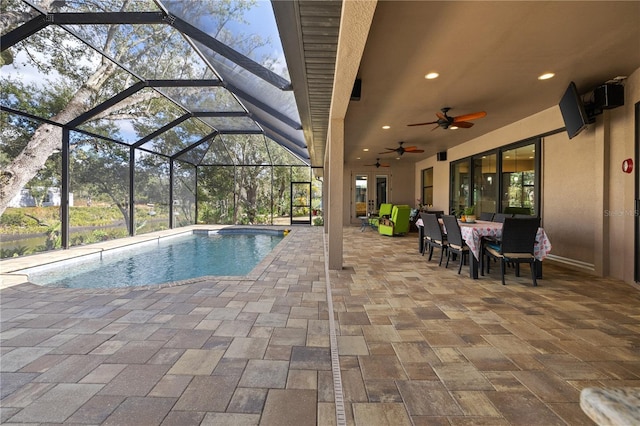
<point>416,344</point>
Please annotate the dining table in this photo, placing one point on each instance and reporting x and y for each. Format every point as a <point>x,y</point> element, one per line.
<point>473,234</point>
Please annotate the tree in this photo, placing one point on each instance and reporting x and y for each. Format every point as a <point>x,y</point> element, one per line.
<point>82,79</point>
<point>112,160</point>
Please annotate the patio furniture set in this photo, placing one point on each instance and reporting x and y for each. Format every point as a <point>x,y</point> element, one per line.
<point>512,240</point>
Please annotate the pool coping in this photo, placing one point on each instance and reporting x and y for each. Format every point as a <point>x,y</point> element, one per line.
<point>12,270</point>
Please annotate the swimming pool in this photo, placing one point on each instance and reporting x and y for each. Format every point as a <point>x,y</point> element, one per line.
<point>164,260</point>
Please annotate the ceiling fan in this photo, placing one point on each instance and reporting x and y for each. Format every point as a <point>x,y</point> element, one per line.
<point>447,122</point>
<point>378,164</point>
<point>402,149</point>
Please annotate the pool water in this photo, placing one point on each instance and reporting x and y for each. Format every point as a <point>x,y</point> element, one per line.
<point>170,259</point>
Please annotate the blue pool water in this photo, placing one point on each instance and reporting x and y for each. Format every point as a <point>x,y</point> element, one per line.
<point>168,259</point>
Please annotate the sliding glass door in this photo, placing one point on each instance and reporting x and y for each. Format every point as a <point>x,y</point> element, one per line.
<point>519,179</point>
<point>460,181</point>
<point>504,180</point>
<point>485,183</point>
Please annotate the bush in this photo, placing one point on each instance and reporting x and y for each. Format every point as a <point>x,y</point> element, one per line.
<point>13,218</point>
<point>15,252</point>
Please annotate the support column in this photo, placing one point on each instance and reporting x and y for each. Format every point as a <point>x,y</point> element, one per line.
<point>335,164</point>
<point>64,193</point>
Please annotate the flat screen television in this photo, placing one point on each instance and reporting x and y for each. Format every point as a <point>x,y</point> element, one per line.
<point>573,111</point>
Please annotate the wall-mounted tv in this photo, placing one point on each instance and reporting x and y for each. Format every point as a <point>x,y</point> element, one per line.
<point>573,111</point>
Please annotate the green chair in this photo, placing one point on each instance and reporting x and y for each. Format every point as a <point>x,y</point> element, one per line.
<point>384,212</point>
<point>398,224</point>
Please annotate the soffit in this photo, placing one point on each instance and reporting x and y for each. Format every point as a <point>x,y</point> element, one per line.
<point>309,33</point>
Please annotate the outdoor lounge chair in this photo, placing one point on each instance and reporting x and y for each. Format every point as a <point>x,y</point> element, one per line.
<point>398,223</point>
<point>384,212</point>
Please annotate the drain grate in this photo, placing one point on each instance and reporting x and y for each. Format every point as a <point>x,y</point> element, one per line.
<point>341,419</point>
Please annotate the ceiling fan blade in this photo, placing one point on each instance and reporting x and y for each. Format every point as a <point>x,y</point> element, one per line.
<point>437,126</point>
<point>416,151</point>
<point>472,116</point>
<point>422,124</point>
<point>441,116</point>
<point>410,148</point>
<point>388,152</point>
<point>462,124</point>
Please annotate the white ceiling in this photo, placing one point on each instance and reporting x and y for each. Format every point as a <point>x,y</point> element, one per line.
<point>489,55</point>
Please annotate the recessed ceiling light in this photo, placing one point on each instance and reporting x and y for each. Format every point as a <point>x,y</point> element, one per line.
<point>386,127</point>
<point>357,158</point>
<point>546,76</point>
<point>432,75</point>
<point>366,149</point>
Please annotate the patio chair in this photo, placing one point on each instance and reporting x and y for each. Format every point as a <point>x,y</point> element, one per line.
<point>398,224</point>
<point>424,244</point>
<point>517,211</point>
<point>500,217</point>
<point>488,216</point>
<point>384,212</point>
<point>517,246</point>
<point>455,243</point>
<point>434,235</point>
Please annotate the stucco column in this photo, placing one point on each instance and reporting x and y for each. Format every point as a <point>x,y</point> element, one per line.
<point>335,163</point>
<point>355,22</point>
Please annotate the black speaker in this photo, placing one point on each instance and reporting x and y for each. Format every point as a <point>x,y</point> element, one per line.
<point>357,89</point>
<point>441,156</point>
<point>608,96</point>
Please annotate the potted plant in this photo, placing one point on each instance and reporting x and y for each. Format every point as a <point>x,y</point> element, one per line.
<point>469,214</point>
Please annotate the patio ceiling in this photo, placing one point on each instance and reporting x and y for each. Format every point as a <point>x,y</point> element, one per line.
<point>488,54</point>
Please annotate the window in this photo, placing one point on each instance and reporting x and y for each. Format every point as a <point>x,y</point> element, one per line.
<point>485,183</point>
<point>504,180</point>
<point>460,178</point>
<point>519,179</point>
<point>427,186</point>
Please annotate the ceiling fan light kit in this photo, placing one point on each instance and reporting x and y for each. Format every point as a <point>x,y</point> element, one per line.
<point>378,164</point>
<point>402,149</point>
<point>446,122</point>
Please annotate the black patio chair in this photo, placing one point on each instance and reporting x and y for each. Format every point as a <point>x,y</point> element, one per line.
<point>488,216</point>
<point>500,217</point>
<point>455,243</point>
<point>515,247</point>
<point>434,235</point>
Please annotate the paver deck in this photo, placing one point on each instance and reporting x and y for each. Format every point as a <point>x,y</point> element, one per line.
<point>417,344</point>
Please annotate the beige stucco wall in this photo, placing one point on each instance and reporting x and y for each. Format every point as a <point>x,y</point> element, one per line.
<point>587,201</point>
<point>621,189</point>
<point>401,186</point>
<point>568,195</point>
